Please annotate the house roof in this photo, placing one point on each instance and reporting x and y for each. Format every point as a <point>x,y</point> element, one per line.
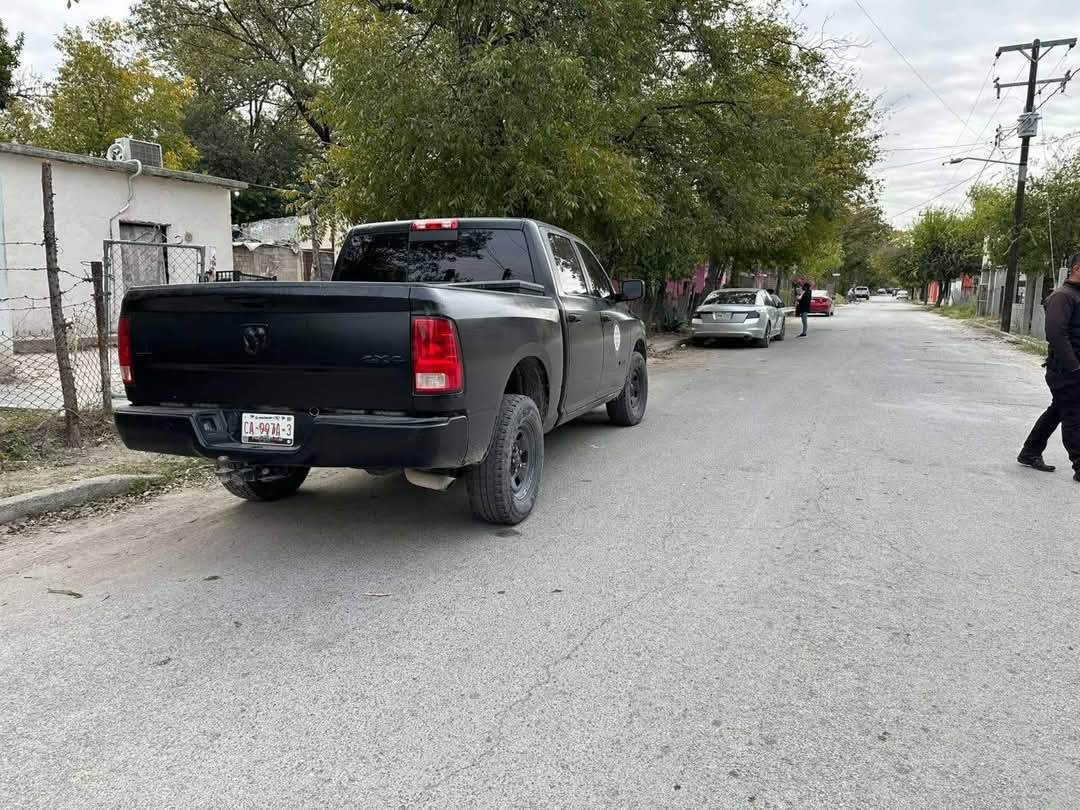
<point>117,166</point>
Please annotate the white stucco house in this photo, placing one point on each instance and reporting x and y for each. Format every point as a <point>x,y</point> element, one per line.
<point>184,217</point>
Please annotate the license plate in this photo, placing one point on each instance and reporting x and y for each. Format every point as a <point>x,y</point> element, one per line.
<point>267,428</point>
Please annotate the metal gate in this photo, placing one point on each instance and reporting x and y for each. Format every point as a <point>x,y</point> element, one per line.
<point>142,263</point>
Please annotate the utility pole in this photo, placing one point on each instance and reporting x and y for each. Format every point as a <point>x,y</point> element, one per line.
<point>1029,122</point>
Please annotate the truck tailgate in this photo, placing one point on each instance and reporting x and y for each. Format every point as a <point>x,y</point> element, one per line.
<point>277,345</point>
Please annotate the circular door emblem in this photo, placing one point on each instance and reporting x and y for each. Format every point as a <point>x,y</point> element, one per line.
<point>618,337</point>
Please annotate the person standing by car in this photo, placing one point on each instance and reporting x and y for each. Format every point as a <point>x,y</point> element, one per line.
<point>1062,376</point>
<point>802,308</point>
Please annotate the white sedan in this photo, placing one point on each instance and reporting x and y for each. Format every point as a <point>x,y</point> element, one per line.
<point>745,314</point>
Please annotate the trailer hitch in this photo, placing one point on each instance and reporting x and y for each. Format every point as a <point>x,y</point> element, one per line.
<point>239,472</point>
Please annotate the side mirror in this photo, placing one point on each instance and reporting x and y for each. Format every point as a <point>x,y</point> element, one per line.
<point>631,290</point>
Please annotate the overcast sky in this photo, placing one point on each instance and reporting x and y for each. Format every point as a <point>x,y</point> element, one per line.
<point>951,44</point>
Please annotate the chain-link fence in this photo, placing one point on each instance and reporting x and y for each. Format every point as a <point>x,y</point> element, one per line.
<point>56,340</point>
<point>150,262</point>
<point>29,367</point>
<point>30,376</point>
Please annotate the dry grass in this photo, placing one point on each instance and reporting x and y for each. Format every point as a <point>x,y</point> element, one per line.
<point>35,437</point>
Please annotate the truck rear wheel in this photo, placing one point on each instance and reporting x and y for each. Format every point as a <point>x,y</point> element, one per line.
<point>629,409</point>
<point>503,488</point>
<point>273,490</point>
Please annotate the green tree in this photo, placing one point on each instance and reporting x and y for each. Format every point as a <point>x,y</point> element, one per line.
<point>662,132</point>
<point>250,51</point>
<point>105,89</point>
<point>894,261</point>
<point>258,68</point>
<point>865,235</point>
<point>1051,226</point>
<point>246,144</point>
<point>945,245</point>
<point>9,63</point>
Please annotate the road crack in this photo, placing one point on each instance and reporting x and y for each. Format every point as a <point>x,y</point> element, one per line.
<point>498,736</point>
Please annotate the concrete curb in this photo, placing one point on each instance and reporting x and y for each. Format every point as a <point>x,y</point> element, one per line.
<point>30,504</point>
<point>1008,337</point>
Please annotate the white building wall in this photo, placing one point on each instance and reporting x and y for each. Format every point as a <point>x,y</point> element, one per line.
<point>86,196</point>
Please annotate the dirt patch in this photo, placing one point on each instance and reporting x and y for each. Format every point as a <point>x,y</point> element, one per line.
<point>682,356</point>
<point>33,455</point>
<point>173,474</point>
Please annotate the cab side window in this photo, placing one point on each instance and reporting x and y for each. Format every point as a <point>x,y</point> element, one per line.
<point>571,275</point>
<point>601,284</point>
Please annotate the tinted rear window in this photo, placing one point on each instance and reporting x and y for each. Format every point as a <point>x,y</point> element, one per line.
<point>470,254</point>
<point>732,297</point>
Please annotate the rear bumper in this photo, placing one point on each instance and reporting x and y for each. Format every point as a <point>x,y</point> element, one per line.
<point>326,440</point>
<point>747,330</point>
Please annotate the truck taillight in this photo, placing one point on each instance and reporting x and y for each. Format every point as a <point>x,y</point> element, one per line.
<point>435,225</point>
<point>436,357</point>
<point>123,350</point>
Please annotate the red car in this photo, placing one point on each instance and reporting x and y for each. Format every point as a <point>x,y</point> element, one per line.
<point>821,303</point>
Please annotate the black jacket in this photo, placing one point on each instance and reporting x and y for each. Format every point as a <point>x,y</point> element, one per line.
<point>804,303</point>
<point>1063,330</point>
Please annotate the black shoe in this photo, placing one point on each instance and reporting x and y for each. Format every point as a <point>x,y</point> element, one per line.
<point>1077,476</point>
<point>1036,463</point>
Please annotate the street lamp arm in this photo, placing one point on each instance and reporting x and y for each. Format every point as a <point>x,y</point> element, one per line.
<point>980,160</point>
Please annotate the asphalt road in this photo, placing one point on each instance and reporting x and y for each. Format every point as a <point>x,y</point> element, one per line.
<point>814,576</point>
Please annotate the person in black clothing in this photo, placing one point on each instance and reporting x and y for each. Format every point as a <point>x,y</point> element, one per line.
<point>1062,376</point>
<point>802,307</point>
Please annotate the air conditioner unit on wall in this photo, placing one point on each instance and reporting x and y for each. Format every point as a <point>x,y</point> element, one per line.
<point>147,153</point>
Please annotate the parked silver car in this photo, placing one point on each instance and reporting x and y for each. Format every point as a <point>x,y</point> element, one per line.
<point>739,313</point>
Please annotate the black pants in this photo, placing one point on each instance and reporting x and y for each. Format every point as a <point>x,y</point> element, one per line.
<point>1064,410</point>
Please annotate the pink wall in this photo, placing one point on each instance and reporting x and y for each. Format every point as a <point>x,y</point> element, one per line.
<point>695,283</point>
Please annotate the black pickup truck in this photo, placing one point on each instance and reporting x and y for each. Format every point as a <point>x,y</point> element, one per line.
<point>444,348</point>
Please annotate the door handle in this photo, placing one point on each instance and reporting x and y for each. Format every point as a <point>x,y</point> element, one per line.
<point>572,318</point>
<point>606,318</point>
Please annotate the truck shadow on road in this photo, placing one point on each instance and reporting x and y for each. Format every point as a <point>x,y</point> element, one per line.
<point>344,506</point>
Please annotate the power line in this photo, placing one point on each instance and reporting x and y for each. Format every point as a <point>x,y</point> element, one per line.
<point>1059,89</point>
<point>932,186</point>
<point>943,148</point>
<point>913,69</point>
<point>978,98</point>
<point>942,194</point>
<point>997,109</point>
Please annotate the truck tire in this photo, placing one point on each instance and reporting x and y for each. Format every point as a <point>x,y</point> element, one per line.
<point>503,488</point>
<point>629,409</point>
<point>269,490</point>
